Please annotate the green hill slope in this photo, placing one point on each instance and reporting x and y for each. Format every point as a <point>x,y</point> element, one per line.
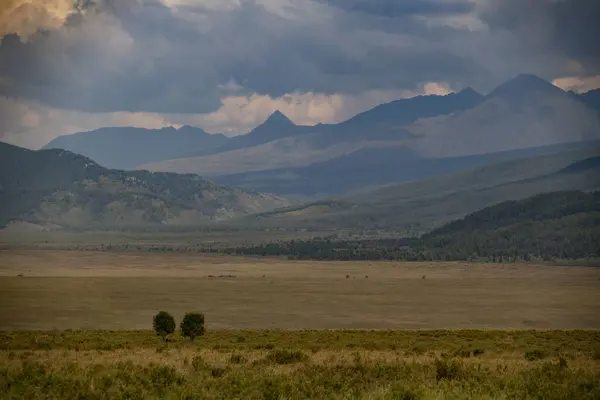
<point>551,225</point>
<point>60,187</point>
<point>417,207</point>
<point>559,225</point>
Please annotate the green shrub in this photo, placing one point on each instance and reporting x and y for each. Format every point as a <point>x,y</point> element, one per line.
<point>268,346</point>
<point>237,359</point>
<point>192,325</point>
<point>448,370</point>
<point>163,377</point>
<point>287,356</point>
<point>404,394</point>
<point>198,363</point>
<point>469,352</point>
<point>562,362</point>
<point>164,324</point>
<point>536,354</point>
<point>217,372</point>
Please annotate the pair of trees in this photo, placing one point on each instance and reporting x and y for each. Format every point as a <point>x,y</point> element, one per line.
<point>191,326</point>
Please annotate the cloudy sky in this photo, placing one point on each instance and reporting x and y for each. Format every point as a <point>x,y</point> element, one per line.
<point>225,65</point>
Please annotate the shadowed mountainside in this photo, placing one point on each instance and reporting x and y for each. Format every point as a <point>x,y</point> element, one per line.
<point>63,188</point>
<point>417,207</point>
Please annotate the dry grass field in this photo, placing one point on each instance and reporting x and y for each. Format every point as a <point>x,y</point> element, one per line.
<point>294,329</point>
<point>103,290</point>
<point>302,365</point>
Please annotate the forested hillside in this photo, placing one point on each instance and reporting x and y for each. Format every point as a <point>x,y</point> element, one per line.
<point>560,225</point>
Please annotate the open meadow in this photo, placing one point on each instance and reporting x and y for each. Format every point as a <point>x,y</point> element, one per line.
<point>77,324</point>
<point>123,290</point>
<point>405,365</point>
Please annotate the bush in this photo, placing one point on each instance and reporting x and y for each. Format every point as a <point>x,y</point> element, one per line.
<point>198,363</point>
<point>192,325</point>
<point>237,359</point>
<point>164,324</point>
<point>448,370</point>
<point>217,372</point>
<point>287,356</point>
<point>535,355</point>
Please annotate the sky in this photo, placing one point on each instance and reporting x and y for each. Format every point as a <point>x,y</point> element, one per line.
<point>225,65</point>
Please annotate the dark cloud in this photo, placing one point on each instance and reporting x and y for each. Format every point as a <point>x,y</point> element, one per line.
<point>562,27</point>
<point>398,8</point>
<point>140,55</point>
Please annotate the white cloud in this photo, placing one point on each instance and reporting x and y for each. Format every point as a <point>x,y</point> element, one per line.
<point>25,17</point>
<point>578,84</point>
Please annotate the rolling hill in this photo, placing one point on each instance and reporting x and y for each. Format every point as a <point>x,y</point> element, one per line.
<point>550,225</point>
<point>558,225</point>
<point>69,190</point>
<point>417,207</point>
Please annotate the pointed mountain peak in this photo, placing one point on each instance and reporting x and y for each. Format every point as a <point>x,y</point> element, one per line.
<point>278,118</point>
<point>525,85</point>
<point>469,91</point>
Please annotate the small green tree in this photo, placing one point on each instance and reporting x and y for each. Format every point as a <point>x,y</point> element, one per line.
<point>164,324</point>
<point>192,325</point>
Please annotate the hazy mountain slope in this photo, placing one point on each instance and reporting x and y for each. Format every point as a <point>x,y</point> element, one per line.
<point>417,207</point>
<point>406,111</point>
<point>277,126</point>
<point>288,152</point>
<point>524,112</point>
<point>278,143</point>
<point>126,148</point>
<point>57,186</point>
<point>369,168</point>
<point>591,98</point>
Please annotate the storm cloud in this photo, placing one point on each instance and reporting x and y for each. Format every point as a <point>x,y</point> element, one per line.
<point>189,56</point>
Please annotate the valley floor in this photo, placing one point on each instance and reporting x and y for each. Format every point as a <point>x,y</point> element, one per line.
<point>57,289</point>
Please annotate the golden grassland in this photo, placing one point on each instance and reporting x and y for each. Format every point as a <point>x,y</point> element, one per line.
<point>262,318</point>
<point>302,364</point>
<point>105,290</point>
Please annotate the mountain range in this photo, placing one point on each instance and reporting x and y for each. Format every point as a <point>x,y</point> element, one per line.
<point>404,140</point>
<point>62,188</point>
<point>410,166</point>
<point>127,147</point>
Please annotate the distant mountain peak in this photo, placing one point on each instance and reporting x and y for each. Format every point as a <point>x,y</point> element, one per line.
<point>524,84</point>
<point>469,91</point>
<point>278,118</point>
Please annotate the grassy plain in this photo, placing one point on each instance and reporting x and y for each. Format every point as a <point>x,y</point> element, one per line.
<point>302,364</point>
<point>280,329</point>
<point>109,290</point>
